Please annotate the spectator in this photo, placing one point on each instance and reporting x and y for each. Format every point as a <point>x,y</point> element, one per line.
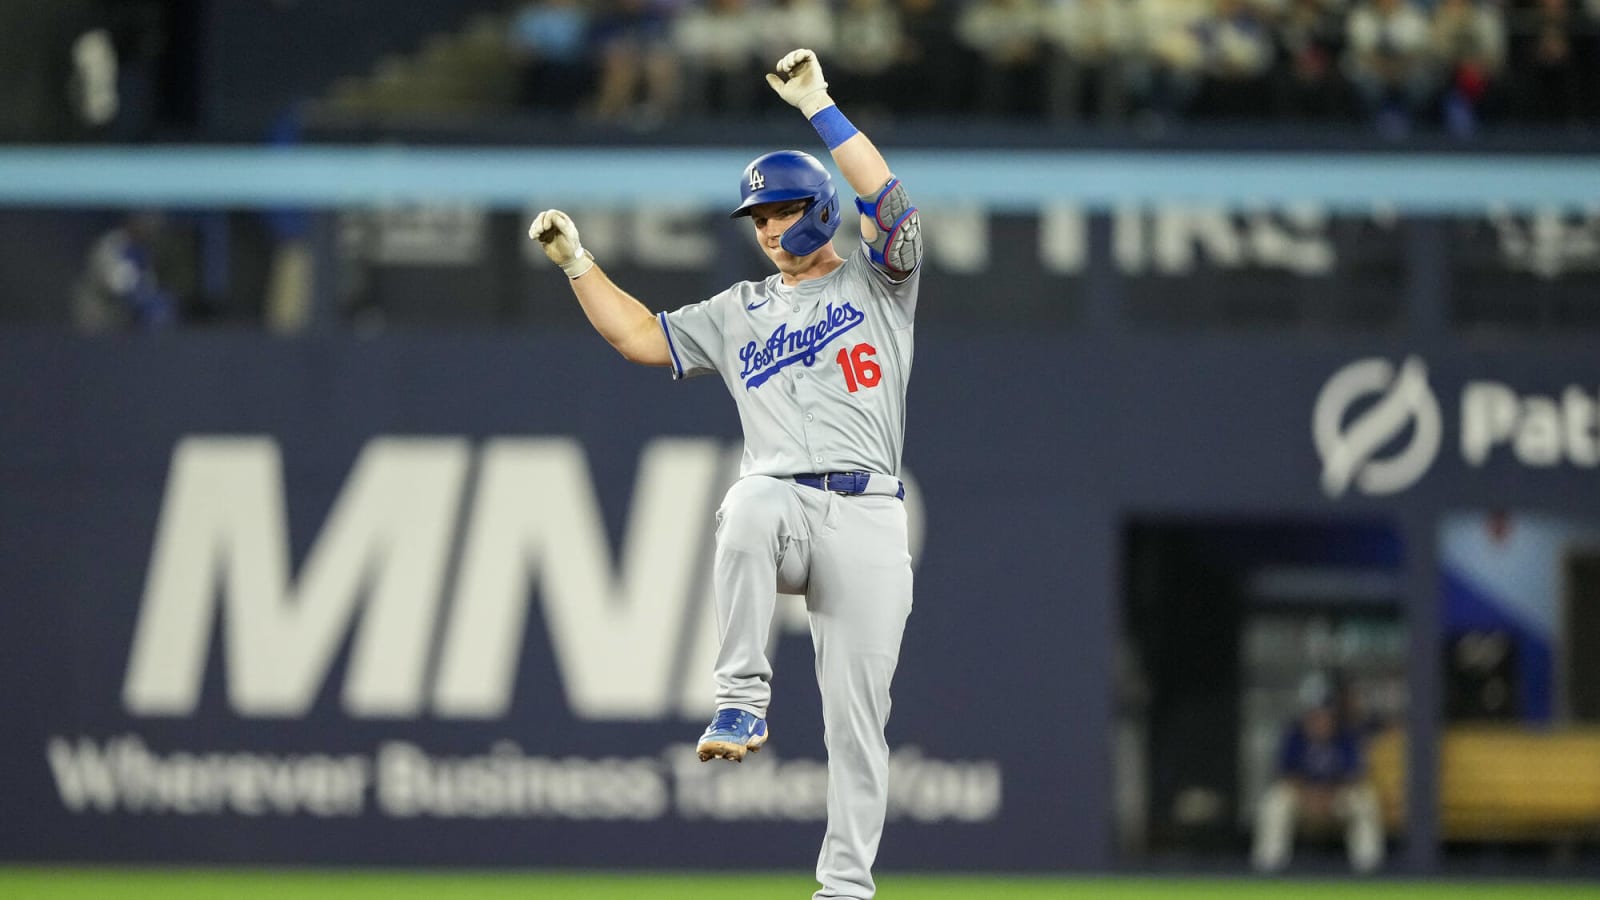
<point>1469,39</point>
<point>1587,49</point>
<point>1543,53</point>
<point>787,24</point>
<point>550,41</point>
<point>1321,779</point>
<point>639,73</point>
<point>870,41</point>
<point>719,44</point>
<point>1169,72</point>
<point>1091,43</point>
<point>58,70</point>
<point>931,66</point>
<point>1310,40</point>
<point>1004,36</point>
<point>1387,61</point>
<point>122,287</point>
<point>153,79</point>
<point>1236,50</point>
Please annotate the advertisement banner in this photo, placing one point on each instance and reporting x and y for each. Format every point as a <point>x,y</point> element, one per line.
<point>422,602</point>
<point>443,600</point>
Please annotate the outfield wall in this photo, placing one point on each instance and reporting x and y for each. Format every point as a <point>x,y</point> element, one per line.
<point>442,600</point>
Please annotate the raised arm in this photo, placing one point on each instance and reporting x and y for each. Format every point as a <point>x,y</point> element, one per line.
<point>799,81</point>
<point>624,322</point>
<point>889,223</point>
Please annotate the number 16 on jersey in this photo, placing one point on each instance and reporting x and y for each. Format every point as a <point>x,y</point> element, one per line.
<point>860,371</point>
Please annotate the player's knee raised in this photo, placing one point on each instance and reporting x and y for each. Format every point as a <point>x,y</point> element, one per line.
<point>756,506</point>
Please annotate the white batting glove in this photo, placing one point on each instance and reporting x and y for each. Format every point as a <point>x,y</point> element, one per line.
<point>556,233</point>
<point>801,84</point>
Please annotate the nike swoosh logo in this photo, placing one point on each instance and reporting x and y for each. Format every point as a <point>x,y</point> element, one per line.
<point>755,306</point>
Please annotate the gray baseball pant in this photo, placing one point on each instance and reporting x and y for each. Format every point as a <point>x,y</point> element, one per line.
<point>849,555</point>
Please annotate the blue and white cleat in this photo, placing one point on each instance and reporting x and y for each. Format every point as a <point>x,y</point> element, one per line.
<point>731,734</point>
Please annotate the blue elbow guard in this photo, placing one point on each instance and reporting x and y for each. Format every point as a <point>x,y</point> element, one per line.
<point>898,246</point>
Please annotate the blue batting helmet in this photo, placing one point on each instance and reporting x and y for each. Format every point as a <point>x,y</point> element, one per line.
<point>792,175</point>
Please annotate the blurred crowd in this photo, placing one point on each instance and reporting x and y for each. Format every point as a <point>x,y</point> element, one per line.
<point>1391,63</point>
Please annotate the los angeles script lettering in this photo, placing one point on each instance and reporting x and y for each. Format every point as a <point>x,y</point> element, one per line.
<point>785,347</point>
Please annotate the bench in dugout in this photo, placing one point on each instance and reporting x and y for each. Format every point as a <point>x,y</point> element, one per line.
<point>1501,784</point>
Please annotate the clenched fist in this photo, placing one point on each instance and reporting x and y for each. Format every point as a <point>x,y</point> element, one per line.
<point>556,233</point>
<point>801,84</point>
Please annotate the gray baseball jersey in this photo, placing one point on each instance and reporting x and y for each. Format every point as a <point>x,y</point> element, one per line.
<point>819,373</point>
<point>818,370</point>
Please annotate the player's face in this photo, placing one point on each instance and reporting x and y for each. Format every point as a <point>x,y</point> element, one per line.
<point>771,220</point>
<point>1320,724</point>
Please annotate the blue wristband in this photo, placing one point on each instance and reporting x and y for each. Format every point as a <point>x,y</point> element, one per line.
<point>833,127</point>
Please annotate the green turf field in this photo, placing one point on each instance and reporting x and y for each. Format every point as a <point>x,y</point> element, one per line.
<point>120,884</point>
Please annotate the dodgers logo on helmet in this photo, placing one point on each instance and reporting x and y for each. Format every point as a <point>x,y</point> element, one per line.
<point>792,175</point>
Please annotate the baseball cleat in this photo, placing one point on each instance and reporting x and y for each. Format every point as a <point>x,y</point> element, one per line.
<point>731,734</point>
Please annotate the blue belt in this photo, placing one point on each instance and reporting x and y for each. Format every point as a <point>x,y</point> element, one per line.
<point>844,483</point>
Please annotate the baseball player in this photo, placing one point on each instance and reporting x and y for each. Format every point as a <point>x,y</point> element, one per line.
<point>1322,775</point>
<point>817,358</point>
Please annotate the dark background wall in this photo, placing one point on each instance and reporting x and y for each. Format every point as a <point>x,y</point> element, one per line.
<point>1032,455</point>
